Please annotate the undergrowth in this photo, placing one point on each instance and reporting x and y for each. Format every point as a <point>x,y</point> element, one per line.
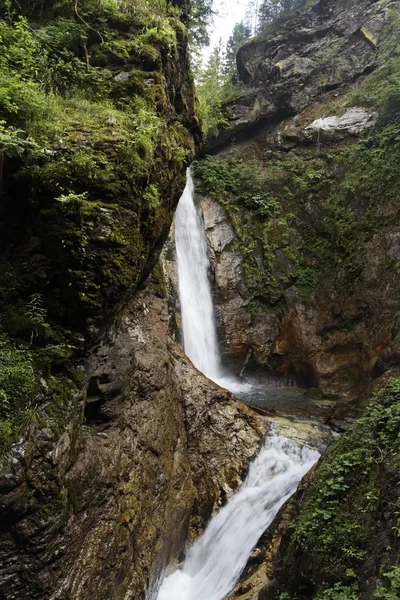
<point>341,528</point>
<point>91,146</point>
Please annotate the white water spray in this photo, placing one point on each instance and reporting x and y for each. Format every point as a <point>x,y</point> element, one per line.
<point>200,341</point>
<point>216,561</point>
<point>199,331</point>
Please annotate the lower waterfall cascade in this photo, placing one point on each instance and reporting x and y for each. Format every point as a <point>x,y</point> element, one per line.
<point>215,562</point>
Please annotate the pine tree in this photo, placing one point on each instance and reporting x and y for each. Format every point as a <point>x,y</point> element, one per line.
<point>211,82</point>
<point>240,34</point>
<point>270,10</point>
<point>201,14</point>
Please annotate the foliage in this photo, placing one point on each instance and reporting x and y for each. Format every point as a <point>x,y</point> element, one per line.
<point>339,592</point>
<point>262,202</point>
<point>307,280</point>
<point>36,314</point>
<point>270,10</point>
<point>16,377</point>
<point>211,81</point>
<point>200,17</point>
<point>390,588</point>
<point>11,142</point>
<point>342,507</point>
<point>240,34</point>
<point>217,80</point>
<point>241,182</point>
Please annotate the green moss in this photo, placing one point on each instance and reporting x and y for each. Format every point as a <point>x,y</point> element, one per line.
<point>307,280</point>
<point>335,534</point>
<point>94,163</point>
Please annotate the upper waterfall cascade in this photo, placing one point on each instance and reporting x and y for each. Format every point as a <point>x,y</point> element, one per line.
<point>198,323</point>
<point>216,560</point>
<point>200,341</point>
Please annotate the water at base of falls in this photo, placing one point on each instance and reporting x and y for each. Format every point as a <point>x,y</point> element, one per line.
<point>216,560</point>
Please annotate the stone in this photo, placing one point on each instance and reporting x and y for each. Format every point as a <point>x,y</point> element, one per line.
<point>355,120</point>
<point>156,458</point>
<point>321,49</point>
<point>122,76</point>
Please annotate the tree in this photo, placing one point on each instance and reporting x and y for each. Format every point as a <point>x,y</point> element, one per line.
<point>270,10</point>
<point>251,17</point>
<point>240,34</point>
<point>210,90</point>
<point>201,14</point>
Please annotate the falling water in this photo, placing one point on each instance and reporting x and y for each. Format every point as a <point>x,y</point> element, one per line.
<point>215,562</point>
<point>200,340</point>
<point>198,324</point>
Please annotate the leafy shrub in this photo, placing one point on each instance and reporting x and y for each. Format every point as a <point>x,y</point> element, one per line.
<point>339,516</point>
<point>390,588</point>
<point>17,379</point>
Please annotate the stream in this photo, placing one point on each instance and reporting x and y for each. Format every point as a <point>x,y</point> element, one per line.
<point>216,561</point>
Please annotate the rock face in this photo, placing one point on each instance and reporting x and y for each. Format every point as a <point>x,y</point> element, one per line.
<point>329,44</point>
<point>337,339</point>
<point>303,226</point>
<point>113,447</point>
<point>102,509</point>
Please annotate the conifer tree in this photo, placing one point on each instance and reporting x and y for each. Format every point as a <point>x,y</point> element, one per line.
<point>240,34</point>
<point>270,10</point>
<point>210,89</point>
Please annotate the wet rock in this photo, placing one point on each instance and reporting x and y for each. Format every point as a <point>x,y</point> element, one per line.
<point>355,120</point>
<point>100,510</point>
<point>320,48</point>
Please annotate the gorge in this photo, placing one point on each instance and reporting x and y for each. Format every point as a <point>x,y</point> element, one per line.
<point>120,460</point>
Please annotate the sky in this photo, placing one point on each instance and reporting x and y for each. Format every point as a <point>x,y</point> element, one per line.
<point>229,12</point>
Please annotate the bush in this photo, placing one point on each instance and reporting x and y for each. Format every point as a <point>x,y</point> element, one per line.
<point>17,378</point>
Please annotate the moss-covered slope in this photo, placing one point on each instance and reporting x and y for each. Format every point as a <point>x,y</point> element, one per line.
<point>97,125</point>
<point>343,541</point>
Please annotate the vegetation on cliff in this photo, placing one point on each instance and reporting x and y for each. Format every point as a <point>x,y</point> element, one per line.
<point>344,542</point>
<point>97,121</point>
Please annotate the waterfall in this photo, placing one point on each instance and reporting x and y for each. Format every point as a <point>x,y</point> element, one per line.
<point>215,562</point>
<point>198,323</point>
<point>200,341</point>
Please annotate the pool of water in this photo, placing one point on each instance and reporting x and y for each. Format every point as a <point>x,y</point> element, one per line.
<point>287,401</point>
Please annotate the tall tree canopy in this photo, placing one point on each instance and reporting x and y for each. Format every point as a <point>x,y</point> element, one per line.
<point>240,34</point>
<point>270,10</point>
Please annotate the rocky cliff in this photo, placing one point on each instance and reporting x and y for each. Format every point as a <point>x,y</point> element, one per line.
<point>98,506</point>
<point>337,538</point>
<point>300,196</point>
<point>113,448</point>
<point>301,201</point>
